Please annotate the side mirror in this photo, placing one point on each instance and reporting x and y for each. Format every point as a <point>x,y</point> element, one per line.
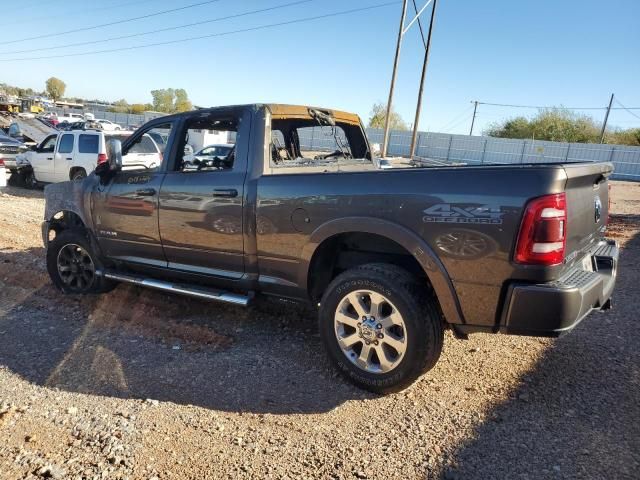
<point>114,155</point>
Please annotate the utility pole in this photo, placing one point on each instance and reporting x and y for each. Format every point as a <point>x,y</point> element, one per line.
<point>473,120</point>
<point>606,119</point>
<point>385,138</point>
<point>414,136</point>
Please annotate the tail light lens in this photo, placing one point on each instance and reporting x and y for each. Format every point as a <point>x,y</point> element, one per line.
<point>1,162</point>
<point>102,158</point>
<point>543,232</point>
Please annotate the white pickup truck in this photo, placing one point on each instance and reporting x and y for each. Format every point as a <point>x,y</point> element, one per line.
<point>73,155</point>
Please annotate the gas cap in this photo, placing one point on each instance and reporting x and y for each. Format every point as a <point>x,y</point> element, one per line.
<point>300,220</point>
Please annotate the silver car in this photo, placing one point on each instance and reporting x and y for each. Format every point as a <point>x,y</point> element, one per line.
<point>9,149</point>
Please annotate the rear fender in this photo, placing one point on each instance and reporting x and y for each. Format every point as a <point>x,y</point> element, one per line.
<point>421,251</point>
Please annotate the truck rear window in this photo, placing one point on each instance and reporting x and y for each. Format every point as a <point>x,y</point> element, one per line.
<point>88,143</point>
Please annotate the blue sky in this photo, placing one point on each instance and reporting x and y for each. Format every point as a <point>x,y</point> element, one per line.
<point>562,52</point>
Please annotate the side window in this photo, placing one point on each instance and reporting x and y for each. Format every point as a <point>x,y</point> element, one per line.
<point>145,145</point>
<point>208,144</point>
<point>49,144</point>
<point>147,152</point>
<point>88,143</point>
<point>66,144</point>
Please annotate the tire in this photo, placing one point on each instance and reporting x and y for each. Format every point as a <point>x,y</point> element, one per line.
<point>70,253</point>
<point>78,175</point>
<point>16,180</point>
<point>30,180</point>
<point>411,343</point>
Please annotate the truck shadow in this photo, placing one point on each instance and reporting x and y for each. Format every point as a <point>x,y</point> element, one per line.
<point>137,343</point>
<point>576,414</point>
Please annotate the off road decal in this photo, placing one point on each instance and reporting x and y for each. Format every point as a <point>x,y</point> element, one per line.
<point>451,213</point>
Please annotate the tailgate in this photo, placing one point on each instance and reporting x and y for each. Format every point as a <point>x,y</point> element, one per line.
<point>587,191</point>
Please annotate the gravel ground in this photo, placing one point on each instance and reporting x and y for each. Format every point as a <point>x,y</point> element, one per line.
<point>141,385</point>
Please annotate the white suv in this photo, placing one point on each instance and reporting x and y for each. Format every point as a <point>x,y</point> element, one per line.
<point>108,126</point>
<point>73,155</point>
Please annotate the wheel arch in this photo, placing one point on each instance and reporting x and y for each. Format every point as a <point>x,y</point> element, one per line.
<point>413,245</point>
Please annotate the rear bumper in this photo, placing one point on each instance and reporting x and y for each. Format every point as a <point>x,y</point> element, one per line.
<point>552,309</point>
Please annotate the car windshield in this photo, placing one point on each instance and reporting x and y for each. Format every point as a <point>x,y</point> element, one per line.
<point>6,139</point>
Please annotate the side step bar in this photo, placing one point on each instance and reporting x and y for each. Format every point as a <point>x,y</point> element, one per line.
<point>191,291</point>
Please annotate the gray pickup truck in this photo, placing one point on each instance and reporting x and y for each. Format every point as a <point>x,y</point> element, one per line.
<point>300,209</point>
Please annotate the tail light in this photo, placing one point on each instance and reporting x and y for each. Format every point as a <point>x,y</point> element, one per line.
<point>1,162</point>
<point>543,232</point>
<point>102,158</point>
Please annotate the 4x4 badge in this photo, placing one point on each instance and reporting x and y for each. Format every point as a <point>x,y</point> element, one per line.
<point>449,213</point>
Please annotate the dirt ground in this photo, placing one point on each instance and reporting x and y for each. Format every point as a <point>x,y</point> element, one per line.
<point>138,384</point>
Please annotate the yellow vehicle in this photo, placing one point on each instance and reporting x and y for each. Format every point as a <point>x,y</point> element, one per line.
<point>9,104</point>
<point>28,105</point>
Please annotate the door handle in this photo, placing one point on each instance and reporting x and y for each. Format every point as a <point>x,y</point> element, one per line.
<point>225,192</point>
<point>146,192</point>
<point>69,158</point>
<point>49,158</point>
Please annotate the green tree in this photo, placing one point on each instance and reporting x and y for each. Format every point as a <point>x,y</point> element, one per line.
<point>55,88</point>
<point>630,136</point>
<point>138,108</point>
<point>120,106</point>
<point>554,124</point>
<point>182,102</point>
<point>378,116</point>
<point>171,100</point>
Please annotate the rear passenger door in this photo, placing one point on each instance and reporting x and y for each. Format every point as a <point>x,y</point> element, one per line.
<point>86,155</point>
<point>201,206</point>
<point>63,158</point>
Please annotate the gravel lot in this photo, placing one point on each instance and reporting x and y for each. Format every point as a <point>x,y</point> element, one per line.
<point>140,385</point>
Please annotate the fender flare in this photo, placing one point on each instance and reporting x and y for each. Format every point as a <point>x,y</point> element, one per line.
<point>416,246</point>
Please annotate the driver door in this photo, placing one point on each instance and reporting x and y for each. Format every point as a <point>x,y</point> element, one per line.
<point>126,209</point>
<point>42,159</point>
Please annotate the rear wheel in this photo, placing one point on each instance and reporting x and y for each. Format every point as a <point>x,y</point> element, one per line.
<point>72,264</point>
<point>78,174</point>
<point>381,329</point>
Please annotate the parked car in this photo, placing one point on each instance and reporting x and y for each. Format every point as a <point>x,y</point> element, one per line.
<point>108,126</point>
<point>51,118</point>
<point>10,148</point>
<point>375,250</point>
<point>208,156</point>
<point>74,154</point>
<point>71,118</point>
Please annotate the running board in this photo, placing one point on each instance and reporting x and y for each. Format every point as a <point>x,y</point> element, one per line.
<point>191,291</point>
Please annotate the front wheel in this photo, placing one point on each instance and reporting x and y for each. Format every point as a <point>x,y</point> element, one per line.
<point>72,264</point>
<point>380,327</point>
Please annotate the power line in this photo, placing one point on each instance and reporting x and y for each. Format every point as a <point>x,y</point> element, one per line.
<point>81,12</point>
<point>465,112</point>
<point>455,121</point>
<point>627,109</point>
<point>117,22</point>
<point>552,106</point>
<point>221,34</point>
<point>150,32</point>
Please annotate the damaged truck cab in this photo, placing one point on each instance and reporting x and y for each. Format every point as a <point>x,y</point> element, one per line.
<point>300,209</point>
